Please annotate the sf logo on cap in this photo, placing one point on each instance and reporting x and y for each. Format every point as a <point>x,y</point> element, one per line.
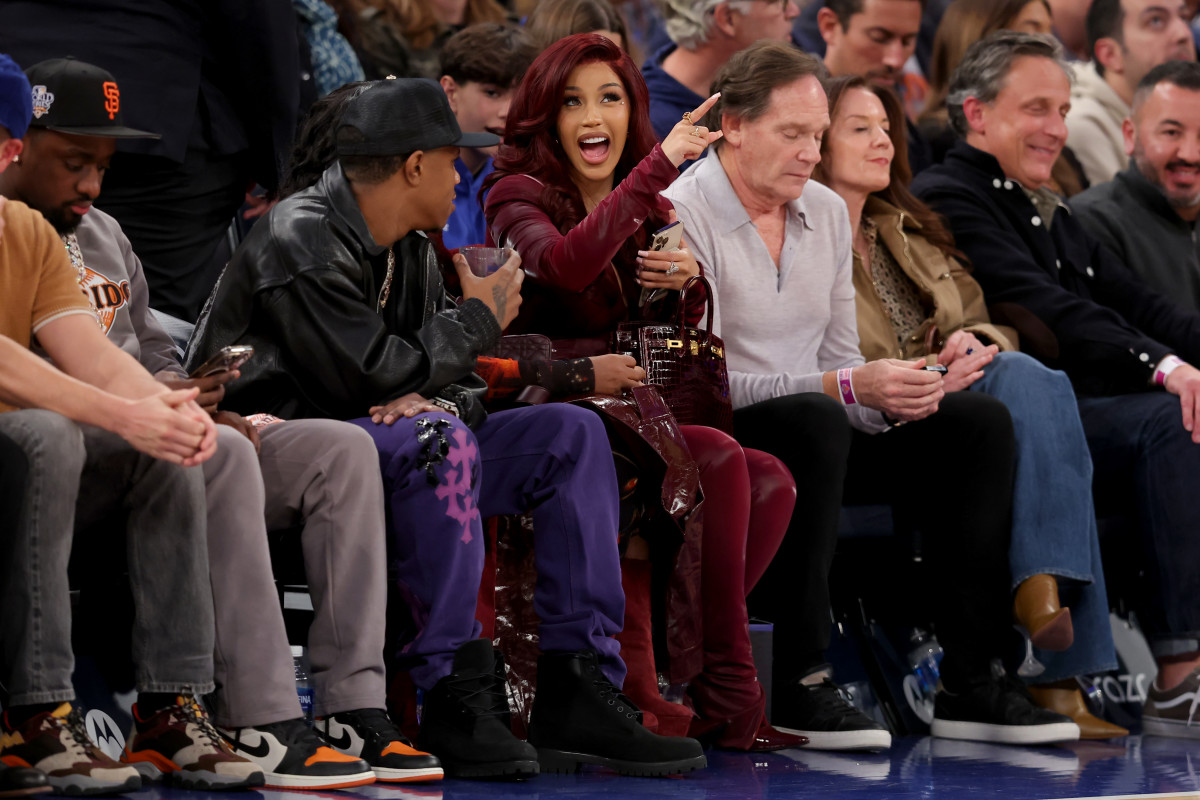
<point>112,99</point>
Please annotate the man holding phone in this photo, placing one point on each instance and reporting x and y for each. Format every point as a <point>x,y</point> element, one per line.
<point>318,474</point>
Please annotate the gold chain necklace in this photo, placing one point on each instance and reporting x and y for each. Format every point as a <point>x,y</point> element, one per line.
<point>387,282</point>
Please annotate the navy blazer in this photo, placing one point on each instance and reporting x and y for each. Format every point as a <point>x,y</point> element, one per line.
<point>1076,305</point>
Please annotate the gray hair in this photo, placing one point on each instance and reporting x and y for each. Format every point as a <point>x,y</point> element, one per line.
<point>985,67</point>
<point>688,22</point>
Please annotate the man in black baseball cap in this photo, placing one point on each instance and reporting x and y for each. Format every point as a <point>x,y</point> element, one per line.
<point>70,96</point>
<point>340,294</point>
<point>72,136</point>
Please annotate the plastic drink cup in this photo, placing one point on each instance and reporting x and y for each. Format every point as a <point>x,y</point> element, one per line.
<point>483,261</point>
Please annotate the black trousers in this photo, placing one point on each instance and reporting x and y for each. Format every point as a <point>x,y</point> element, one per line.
<point>176,217</point>
<point>954,469</point>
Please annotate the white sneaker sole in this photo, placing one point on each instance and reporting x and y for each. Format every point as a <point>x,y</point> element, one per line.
<point>385,775</point>
<point>1005,734</point>
<point>842,740</point>
<point>1157,726</point>
<point>277,780</point>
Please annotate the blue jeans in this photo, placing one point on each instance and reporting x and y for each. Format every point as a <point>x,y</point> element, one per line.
<point>1140,449</point>
<point>78,476</point>
<point>1054,520</point>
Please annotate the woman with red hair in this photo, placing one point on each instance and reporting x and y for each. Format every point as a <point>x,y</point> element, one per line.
<point>576,192</point>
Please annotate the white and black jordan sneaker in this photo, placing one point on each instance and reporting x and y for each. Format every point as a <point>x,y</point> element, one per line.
<point>293,757</point>
<point>369,734</point>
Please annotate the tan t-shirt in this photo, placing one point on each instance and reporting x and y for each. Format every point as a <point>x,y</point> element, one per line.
<point>37,282</point>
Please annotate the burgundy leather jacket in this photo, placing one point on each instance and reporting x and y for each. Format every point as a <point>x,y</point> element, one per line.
<point>577,285</point>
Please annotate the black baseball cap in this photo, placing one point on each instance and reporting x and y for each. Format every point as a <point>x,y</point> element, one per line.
<point>71,96</point>
<point>398,116</point>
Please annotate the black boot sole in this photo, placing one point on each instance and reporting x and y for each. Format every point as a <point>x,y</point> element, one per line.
<point>514,770</point>
<point>563,761</point>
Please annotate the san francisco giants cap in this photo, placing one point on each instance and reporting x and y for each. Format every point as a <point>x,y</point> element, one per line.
<point>71,96</point>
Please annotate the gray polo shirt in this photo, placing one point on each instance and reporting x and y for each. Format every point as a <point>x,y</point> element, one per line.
<point>782,327</point>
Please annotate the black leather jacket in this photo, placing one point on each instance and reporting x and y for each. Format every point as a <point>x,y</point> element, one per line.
<point>303,289</point>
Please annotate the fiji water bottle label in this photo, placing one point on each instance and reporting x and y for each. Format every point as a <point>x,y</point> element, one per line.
<point>306,703</point>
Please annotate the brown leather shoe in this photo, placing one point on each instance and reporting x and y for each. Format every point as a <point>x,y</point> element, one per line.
<point>1064,697</point>
<point>1036,609</point>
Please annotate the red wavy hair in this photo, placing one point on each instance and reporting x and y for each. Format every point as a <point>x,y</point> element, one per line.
<point>531,145</point>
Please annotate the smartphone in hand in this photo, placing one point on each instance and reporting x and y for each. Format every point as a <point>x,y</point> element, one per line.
<point>227,358</point>
<point>668,237</point>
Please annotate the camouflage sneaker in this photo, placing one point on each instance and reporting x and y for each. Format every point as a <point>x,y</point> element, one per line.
<point>56,742</point>
<point>1174,712</point>
<point>180,744</point>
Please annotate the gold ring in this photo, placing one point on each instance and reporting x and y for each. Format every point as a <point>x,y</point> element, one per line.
<point>696,131</point>
<point>687,117</point>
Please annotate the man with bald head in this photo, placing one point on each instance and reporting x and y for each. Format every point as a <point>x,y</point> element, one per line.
<point>1147,213</point>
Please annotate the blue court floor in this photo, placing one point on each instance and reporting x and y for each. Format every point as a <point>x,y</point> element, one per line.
<point>933,769</point>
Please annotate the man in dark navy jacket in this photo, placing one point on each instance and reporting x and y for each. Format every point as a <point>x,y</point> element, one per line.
<point>1078,308</point>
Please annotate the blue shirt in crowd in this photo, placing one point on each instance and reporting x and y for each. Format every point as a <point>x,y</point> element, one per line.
<point>466,225</point>
<point>668,97</point>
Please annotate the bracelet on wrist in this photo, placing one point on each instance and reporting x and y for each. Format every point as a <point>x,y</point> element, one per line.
<point>845,385</point>
<point>1165,367</point>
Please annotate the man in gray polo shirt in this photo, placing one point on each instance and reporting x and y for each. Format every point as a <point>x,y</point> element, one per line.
<point>1147,214</point>
<point>778,251</point>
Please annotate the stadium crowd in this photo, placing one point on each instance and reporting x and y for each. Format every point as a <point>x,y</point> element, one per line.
<point>951,257</point>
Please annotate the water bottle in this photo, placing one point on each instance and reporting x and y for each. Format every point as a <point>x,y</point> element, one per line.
<point>303,687</point>
<point>925,658</point>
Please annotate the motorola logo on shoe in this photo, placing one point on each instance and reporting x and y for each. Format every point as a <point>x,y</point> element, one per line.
<point>104,732</point>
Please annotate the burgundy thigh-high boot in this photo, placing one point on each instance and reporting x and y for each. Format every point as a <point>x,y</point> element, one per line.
<point>728,688</point>
<point>637,650</point>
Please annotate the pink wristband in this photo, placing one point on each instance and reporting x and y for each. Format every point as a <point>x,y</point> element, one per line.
<point>846,385</point>
<point>1165,368</point>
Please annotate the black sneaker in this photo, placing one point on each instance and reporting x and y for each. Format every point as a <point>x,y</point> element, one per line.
<point>579,717</point>
<point>22,781</point>
<point>1173,712</point>
<point>293,757</point>
<point>998,708</point>
<point>823,714</point>
<point>370,734</point>
<point>466,721</point>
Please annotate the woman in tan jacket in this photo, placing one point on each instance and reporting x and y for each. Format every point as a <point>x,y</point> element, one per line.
<point>915,299</point>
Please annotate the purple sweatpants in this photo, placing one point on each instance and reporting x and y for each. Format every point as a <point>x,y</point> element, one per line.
<point>552,460</point>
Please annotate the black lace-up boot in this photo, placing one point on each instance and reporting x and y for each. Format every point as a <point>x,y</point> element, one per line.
<point>579,717</point>
<point>465,722</point>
